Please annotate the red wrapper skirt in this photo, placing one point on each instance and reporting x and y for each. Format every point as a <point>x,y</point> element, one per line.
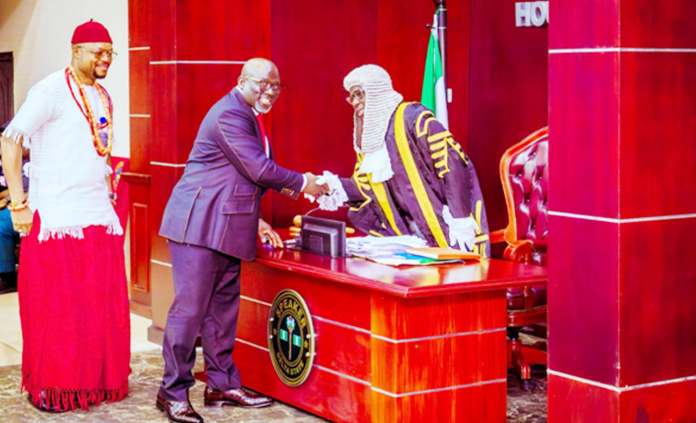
<point>73,300</point>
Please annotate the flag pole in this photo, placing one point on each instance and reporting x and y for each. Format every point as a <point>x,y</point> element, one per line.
<point>441,35</point>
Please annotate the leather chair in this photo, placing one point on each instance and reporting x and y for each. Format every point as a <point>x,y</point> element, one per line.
<point>524,174</point>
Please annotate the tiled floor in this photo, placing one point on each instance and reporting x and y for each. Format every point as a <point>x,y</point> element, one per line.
<point>146,365</point>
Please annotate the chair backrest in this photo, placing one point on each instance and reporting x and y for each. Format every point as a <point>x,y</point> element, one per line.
<point>524,172</point>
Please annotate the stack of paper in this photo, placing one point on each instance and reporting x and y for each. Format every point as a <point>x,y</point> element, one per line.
<point>392,250</point>
<point>443,253</point>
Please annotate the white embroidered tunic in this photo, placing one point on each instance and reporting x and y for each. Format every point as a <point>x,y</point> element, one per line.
<point>67,178</point>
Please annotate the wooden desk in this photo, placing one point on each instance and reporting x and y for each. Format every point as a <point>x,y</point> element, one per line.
<point>393,344</point>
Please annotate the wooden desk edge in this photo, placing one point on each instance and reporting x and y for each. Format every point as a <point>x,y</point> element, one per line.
<point>397,290</point>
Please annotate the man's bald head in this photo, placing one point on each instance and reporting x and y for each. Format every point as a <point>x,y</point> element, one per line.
<point>257,67</point>
<point>259,83</point>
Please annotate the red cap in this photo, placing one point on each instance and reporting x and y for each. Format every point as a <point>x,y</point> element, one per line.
<point>91,32</point>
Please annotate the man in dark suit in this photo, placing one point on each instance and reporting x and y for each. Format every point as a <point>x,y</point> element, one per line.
<point>211,223</point>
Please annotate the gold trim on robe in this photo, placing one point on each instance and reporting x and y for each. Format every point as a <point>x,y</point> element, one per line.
<point>414,176</point>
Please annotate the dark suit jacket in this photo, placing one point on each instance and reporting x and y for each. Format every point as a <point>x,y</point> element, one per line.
<point>216,202</point>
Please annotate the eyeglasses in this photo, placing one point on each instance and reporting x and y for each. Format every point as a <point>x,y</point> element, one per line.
<point>100,54</point>
<point>265,85</point>
<point>357,95</point>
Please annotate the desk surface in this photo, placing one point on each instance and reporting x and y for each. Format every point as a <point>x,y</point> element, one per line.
<point>404,281</point>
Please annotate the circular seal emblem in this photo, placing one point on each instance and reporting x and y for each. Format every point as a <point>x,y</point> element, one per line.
<point>291,338</point>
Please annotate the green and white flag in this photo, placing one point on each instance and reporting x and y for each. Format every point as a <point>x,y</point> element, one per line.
<point>434,96</point>
<point>297,341</point>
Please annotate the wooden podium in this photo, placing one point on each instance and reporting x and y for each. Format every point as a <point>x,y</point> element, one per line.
<point>392,344</point>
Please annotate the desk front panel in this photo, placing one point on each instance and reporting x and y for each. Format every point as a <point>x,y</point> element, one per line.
<point>381,357</point>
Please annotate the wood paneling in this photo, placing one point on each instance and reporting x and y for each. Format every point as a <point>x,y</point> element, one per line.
<point>333,354</point>
<point>658,297</point>
<point>315,44</point>
<point>140,144</point>
<point>461,360</point>
<point>658,129</point>
<point>576,402</point>
<point>673,402</point>
<point>508,93</point>
<point>402,41</point>
<point>139,79</point>
<point>584,24</point>
<point>139,198</point>
<point>162,18</point>
<point>483,403</point>
<point>436,315</point>
<point>405,282</point>
<point>583,150</point>
<point>350,401</point>
<point>162,293</point>
<point>198,88</point>
<point>164,119</point>
<point>583,299</point>
<point>572,401</point>
<point>380,357</point>
<point>655,24</point>
<point>138,24</point>
<point>163,180</point>
<point>621,291</point>
<point>349,306</point>
<point>223,30</point>
<point>140,247</point>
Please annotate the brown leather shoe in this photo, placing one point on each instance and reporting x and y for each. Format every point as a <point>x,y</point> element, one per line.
<point>178,411</point>
<point>241,397</point>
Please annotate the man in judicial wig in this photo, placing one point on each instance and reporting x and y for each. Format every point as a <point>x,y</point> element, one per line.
<point>411,176</point>
<point>211,223</point>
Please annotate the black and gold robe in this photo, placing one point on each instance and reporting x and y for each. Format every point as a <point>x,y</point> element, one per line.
<point>430,171</point>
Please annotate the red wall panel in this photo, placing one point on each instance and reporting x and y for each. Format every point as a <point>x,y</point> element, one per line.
<point>198,88</point>
<point>315,44</point>
<point>658,129</point>
<point>402,41</point>
<point>508,92</point>
<point>222,30</point>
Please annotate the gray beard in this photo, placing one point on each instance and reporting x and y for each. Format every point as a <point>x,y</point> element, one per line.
<point>259,108</point>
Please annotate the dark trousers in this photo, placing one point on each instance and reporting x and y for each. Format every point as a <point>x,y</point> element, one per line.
<point>206,286</point>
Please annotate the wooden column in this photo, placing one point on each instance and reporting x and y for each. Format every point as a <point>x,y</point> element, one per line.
<point>622,284</point>
<point>196,53</point>
<point>138,177</point>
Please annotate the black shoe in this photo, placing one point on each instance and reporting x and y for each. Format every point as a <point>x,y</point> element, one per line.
<point>8,282</point>
<point>42,405</point>
<point>178,411</point>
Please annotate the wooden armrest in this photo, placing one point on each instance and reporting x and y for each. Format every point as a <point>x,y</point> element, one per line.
<point>498,236</point>
<point>519,251</point>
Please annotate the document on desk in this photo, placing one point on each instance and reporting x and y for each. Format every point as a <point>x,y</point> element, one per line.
<point>390,250</point>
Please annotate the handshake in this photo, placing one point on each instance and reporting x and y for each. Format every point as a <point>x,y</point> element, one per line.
<point>326,189</point>
<point>313,188</point>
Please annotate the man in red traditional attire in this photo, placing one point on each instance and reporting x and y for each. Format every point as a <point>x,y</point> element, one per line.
<point>72,288</point>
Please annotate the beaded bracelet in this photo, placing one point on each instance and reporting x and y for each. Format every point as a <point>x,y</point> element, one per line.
<point>17,207</point>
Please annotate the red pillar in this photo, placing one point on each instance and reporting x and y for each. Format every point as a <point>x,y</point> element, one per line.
<point>622,294</point>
